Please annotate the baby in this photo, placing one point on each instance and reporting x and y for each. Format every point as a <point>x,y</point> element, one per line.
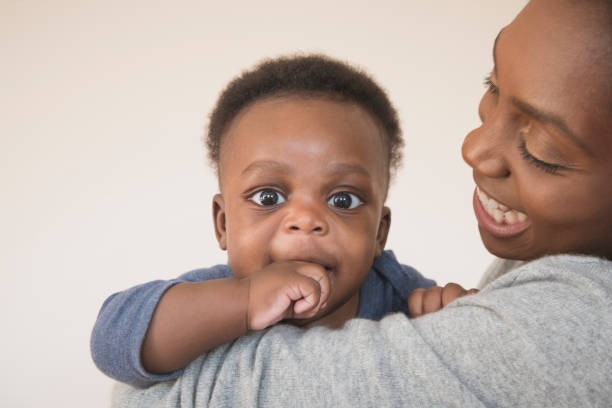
<point>304,148</point>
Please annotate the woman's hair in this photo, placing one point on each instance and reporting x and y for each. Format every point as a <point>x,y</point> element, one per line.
<point>308,76</point>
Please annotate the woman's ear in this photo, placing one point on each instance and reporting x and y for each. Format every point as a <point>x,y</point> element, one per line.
<point>219,220</point>
<point>383,230</point>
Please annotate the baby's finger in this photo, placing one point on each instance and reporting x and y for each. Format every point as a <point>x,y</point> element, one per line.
<point>320,275</point>
<point>304,309</point>
<point>432,299</point>
<point>451,292</point>
<point>415,302</point>
<point>306,295</point>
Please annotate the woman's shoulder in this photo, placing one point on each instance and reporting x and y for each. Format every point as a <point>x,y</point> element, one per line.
<point>498,267</point>
<point>585,273</point>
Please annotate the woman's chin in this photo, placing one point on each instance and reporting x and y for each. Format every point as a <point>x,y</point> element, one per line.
<point>507,248</point>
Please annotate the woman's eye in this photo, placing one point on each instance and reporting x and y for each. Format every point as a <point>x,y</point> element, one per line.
<point>344,200</point>
<point>267,197</point>
<point>547,167</point>
<point>490,85</point>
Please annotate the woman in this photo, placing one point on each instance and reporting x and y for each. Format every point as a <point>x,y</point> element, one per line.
<point>537,335</point>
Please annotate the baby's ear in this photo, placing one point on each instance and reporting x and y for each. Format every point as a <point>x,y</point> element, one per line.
<point>383,230</point>
<point>219,220</point>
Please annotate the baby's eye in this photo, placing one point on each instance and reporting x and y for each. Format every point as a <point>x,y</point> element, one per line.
<point>344,200</point>
<point>267,197</point>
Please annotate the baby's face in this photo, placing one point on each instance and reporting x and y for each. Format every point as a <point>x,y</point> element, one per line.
<point>542,157</point>
<point>303,180</point>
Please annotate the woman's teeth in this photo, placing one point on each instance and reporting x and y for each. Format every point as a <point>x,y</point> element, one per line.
<point>500,213</point>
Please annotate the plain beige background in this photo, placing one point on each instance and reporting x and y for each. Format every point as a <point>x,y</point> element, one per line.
<point>104,182</point>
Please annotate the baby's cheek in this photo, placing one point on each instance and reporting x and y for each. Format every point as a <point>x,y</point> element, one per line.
<point>360,251</point>
<point>243,260</point>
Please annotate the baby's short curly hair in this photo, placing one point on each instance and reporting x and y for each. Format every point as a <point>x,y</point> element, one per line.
<point>309,76</point>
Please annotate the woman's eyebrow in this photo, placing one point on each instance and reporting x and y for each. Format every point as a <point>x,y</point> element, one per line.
<point>551,119</point>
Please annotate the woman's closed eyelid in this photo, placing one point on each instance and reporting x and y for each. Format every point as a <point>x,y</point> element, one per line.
<point>540,149</point>
<point>550,168</point>
<point>490,85</point>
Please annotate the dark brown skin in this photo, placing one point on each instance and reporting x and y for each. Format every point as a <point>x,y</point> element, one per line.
<point>551,59</point>
<point>303,258</point>
<point>423,301</point>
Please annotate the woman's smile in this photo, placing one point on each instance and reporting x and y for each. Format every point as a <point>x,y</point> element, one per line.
<point>498,219</point>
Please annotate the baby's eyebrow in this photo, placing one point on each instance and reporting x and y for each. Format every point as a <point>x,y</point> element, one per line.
<point>335,167</point>
<point>267,165</point>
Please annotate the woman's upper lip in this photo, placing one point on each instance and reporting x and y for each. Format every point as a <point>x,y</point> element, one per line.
<point>495,197</point>
<point>510,212</point>
<point>489,194</point>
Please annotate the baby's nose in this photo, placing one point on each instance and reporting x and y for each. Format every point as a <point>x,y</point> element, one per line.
<point>305,220</point>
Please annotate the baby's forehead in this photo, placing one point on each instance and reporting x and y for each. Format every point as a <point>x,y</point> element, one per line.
<point>297,114</point>
<point>306,125</point>
<point>305,135</point>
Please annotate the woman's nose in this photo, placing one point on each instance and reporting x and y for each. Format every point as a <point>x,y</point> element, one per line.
<point>305,219</point>
<point>484,151</point>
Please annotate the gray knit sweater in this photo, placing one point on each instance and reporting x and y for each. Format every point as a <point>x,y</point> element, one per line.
<point>539,335</point>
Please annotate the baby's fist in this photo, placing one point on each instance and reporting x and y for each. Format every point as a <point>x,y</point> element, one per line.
<point>288,289</point>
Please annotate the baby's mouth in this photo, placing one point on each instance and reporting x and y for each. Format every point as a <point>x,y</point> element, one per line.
<point>501,213</point>
<point>328,268</point>
<point>326,264</point>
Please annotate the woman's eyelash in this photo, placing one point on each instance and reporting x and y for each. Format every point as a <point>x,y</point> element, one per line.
<point>547,167</point>
<point>490,85</point>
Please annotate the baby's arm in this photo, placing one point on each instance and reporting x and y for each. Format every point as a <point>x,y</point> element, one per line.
<point>423,301</point>
<point>182,317</point>
<point>192,318</point>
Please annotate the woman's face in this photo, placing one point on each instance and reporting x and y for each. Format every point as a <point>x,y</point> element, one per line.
<point>542,158</point>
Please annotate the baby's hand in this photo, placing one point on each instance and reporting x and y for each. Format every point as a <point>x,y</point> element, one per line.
<point>423,301</point>
<point>288,289</point>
